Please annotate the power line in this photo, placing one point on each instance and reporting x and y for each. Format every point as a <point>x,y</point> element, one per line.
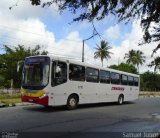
<point>65,55</point>
<point>9,37</point>
<point>58,51</point>
<point>90,61</point>
<point>5,27</point>
<point>15,45</point>
<point>41,35</point>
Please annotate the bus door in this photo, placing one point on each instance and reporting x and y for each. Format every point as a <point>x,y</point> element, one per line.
<point>58,82</point>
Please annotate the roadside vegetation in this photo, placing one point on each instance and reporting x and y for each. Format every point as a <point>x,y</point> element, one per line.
<point>9,77</point>
<point>149,94</point>
<point>7,99</point>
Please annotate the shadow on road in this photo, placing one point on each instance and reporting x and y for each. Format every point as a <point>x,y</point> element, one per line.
<point>96,105</point>
<point>39,108</point>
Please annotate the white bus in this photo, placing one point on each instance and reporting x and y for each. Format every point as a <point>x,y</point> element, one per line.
<point>53,81</point>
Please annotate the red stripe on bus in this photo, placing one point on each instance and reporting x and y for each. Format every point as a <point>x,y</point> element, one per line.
<point>41,101</point>
<point>118,88</point>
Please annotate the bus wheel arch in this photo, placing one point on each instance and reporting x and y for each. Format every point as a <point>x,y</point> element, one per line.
<point>72,101</point>
<point>120,99</point>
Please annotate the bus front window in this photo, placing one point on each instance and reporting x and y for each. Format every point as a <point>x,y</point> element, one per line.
<point>36,75</point>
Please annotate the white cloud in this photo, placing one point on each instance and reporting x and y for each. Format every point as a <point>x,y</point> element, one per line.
<point>112,32</point>
<point>71,47</point>
<point>28,32</point>
<point>22,25</point>
<point>24,9</point>
<point>32,31</point>
<point>131,42</point>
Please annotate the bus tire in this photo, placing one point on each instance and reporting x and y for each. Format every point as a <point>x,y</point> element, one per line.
<point>120,99</point>
<point>72,102</point>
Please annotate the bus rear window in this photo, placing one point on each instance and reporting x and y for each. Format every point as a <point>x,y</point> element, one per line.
<point>130,81</point>
<point>124,79</point>
<point>136,81</point>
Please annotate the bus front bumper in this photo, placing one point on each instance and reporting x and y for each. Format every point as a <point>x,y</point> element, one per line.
<point>36,100</point>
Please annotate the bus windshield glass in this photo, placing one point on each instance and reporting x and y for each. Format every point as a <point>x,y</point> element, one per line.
<point>35,73</point>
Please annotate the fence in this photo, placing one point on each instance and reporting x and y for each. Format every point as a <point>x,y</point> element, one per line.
<point>10,92</point>
<point>150,90</point>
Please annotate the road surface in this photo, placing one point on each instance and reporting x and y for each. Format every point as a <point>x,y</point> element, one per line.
<point>96,119</point>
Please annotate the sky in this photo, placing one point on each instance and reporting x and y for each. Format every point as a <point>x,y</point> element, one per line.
<point>31,25</point>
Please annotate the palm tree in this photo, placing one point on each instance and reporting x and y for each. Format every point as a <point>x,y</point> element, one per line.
<point>155,63</point>
<point>131,59</point>
<point>140,58</point>
<point>102,51</point>
<point>135,58</point>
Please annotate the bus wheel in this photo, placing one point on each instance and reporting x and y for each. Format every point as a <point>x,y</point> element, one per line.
<point>72,102</point>
<point>120,99</point>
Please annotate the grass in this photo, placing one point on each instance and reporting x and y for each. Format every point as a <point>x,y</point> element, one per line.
<point>13,100</point>
<point>149,94</point>
<point>10,100</point>
<point>7,96</point>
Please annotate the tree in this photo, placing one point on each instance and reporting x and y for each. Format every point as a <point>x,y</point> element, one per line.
<point>140,58</point>
<point>126,10</point>
<point>135,58</point>
<point>9,60</point>
<point>131,59</point>
<point>102,51</point>
<point>124,67</point>
<point>150,81</point>
<point>155,63</point>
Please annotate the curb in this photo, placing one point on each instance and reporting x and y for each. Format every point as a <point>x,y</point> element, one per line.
<point>23,104</point>
<point>6,105</point>
<point>2,105</point>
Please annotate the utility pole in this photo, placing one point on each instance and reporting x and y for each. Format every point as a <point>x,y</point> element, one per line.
<point>83,51</point>
<point>118,60</point>
<point>83,45</point>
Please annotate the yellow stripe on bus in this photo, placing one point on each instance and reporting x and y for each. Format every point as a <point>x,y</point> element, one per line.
<point>39,93</point>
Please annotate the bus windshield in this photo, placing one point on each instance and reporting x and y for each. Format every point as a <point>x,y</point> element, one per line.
<point>35,73</point>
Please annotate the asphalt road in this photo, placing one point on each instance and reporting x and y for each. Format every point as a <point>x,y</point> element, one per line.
<point>97,119</point>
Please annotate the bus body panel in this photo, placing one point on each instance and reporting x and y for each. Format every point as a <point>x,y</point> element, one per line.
<point>90,93</point>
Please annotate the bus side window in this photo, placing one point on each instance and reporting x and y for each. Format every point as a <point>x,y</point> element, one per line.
<point>59,73</point>
<point>124,79</point>
<point>76,72</point>
<point>92,75</point>
<point>136,81</point>
<point>130,81</point>
<point>115,78</point>
<point>104,76</point>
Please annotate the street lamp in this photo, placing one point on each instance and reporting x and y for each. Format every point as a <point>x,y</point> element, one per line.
<point>83,45</point>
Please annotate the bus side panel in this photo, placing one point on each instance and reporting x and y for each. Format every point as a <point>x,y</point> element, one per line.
<point>104,92</point>
<point>91,92</point>
<point>133,93</point>
<point>58,95</point>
